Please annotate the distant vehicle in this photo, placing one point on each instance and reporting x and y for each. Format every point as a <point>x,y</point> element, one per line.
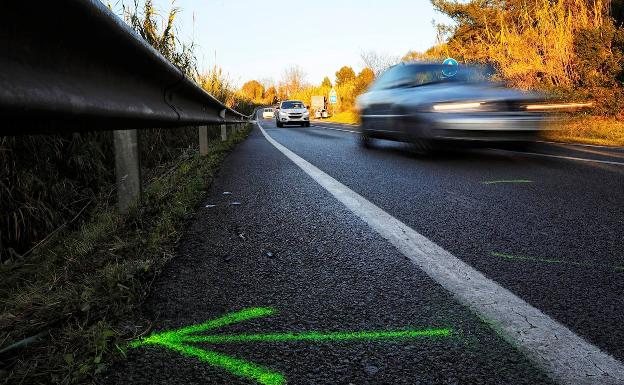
<point>317,102</point>
<point>268,113</point>
<point>292,112</point>
<point>418,103</point>
<point>320,114</point>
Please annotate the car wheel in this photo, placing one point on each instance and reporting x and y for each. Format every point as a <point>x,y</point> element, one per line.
<point>366,140</point>
<point>421,141</point>
<point>306,124</point>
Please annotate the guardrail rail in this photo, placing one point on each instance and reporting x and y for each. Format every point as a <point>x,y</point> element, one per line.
<point>73,65</point>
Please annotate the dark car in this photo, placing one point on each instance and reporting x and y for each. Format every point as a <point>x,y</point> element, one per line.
<point>428,105</point>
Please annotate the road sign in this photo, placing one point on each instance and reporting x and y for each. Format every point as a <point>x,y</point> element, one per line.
<point>333,96</point>
<point>180,341</point>
<point>450,67</point>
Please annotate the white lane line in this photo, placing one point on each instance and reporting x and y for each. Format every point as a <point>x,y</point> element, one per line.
<point>335,129</point>
<point>565,157</point>
<point>516,152</point>
<point>566,356</point>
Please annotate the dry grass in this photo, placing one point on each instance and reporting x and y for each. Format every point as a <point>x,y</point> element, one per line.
<point>346,117</point>
<point>590,130</point>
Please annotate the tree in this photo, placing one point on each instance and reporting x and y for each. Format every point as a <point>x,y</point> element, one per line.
<point>363,80</point>
<point>530,43</point>
<point>253,90</point>
<point>366,76</point>
<point>293,80</point>
<point>326,82</point>
<point>344,75</point>
<point>378,62</point>
<point>270,96</point>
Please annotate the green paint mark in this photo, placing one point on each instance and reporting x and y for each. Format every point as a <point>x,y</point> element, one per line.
<point>228,319</point>
<point>546,260</point>
<point>523,258</point>
<point>507,181</point>
<point>180,339</point>
<point>235,366</point>
<point>320,337</point>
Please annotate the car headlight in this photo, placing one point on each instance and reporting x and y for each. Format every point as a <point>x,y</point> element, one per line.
<point>461,106</point>
<point>307,113</point>
<point>557,106</point>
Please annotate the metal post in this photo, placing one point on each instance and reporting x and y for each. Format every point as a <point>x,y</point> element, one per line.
<point>223,132</point>
<point>203,140</point>
<point>127,168</point>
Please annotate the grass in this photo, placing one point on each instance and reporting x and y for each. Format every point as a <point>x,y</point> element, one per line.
<point>79,291</point>
<point>346,117</point>
<point>589,130</point>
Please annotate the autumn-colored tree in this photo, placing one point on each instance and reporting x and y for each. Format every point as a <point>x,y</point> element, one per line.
<point>326,82</point>
<point>270,96</point>
<point>363,80</point>
<point>344,75</point>
<point>561,44</point>
<point>253,90</point>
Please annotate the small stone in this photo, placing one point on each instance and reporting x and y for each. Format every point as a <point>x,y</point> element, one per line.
<point>227,193</point>
<point>269,254</point>
<point>210,206</point>
<point>371,370</point>
<point>235,203</point>
<point>227,258</point>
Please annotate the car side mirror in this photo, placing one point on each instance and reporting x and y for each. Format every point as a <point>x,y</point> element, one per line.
<point>308,107</point>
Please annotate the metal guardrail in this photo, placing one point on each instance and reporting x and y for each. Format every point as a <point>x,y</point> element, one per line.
<point>73,65</point>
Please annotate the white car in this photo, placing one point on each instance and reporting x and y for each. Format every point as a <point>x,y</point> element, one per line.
<point>292,112</point>
<point>268,113</point>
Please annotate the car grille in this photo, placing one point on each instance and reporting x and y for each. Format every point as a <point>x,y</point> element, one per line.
<point>296,116</point>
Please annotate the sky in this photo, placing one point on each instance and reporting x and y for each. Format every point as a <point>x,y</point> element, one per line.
<point>259,40</point>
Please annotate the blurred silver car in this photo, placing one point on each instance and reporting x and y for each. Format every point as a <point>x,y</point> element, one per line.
<point>426,105</point>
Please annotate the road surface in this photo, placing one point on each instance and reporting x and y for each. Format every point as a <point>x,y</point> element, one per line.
<point>515,259</point>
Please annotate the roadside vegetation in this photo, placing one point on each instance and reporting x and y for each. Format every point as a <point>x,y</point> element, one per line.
<point>73,270</point>
<point>571,49</point>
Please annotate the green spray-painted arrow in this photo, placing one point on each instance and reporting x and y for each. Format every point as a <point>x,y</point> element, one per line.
<point>179,340</point>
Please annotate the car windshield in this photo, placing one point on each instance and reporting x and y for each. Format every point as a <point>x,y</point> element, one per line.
<point>415,75</point>
<point>292,105</point>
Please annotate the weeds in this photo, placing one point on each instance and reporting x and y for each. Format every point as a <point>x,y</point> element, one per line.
<point>589,129</point>
<point>81,288</point>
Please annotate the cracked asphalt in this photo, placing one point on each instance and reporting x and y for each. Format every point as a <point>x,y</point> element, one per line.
<point>291,246</point>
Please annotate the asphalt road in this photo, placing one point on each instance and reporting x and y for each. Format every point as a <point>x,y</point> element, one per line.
<point>547,227</point>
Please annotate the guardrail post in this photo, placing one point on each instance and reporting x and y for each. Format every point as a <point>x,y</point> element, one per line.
<point>203,140</point>
<point>223,132</point>
<point>127,168</point>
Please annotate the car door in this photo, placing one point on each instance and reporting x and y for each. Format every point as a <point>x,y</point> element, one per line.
<point>381,101</point>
